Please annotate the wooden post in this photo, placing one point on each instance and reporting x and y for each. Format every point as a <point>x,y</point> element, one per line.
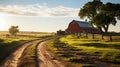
<point>110,38</point>
<point>102,37</point>
<point>93,36</point>
<point>80,34</point>
<point>86,35</point>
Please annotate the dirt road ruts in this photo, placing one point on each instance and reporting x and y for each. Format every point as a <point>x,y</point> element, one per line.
<point>12,60</point>
<point>45,58</point>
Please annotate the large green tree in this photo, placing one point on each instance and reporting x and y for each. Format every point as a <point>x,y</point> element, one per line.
<point>101,15</point>
<point>13,30</point>
<point>89,10</point>
<point>103,21</point>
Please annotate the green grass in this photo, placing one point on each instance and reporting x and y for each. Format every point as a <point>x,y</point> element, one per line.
<point>69,48</point>
<point>50,45</point>
<point>8,46</point>
<point>88,65</point>
<point>93,45</point>
<point>62,51</point>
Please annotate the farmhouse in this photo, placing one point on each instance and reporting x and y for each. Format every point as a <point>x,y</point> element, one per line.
<point>80,27</point>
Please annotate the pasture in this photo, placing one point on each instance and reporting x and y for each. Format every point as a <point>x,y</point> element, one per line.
<point>9,44</point>
<point>82,52</point>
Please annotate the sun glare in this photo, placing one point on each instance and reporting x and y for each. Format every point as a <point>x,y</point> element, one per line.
<point>3,21</point>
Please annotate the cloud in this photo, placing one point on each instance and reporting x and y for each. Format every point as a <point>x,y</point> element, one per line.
<point>40,10</point>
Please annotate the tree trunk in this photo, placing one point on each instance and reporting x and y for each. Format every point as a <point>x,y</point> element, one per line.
<point>100,29</point>
<point>105,27</point>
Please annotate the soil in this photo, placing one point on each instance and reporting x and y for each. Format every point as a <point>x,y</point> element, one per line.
<point>43,58</point>
<point>12,60</point>
<point>46,58</point>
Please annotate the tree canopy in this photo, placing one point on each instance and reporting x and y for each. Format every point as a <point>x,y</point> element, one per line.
<point>101,15</point>
<point>13,30</point>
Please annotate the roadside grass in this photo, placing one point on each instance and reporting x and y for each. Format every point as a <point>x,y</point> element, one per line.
<point>50,45</point>
<point>9,44</point>
<point>75,51</point>
<point>95,46</point>
<point>28,58</point>
<point>62,52</point>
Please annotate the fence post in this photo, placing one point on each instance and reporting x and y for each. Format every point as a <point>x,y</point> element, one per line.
<point>102,36</point>
<point>110,38</point>
<point>93,36</point>
<point>86,35</point>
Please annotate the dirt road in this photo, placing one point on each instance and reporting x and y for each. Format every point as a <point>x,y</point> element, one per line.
<point>43,57</point>
<point>12,60</point>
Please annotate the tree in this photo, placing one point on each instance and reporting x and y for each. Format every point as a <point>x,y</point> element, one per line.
<point>103,21</point>
<point>111,9</point>
<point>13,30</point>
<point>89,10</point>
<point>108,13</point>
<point>101,15</point>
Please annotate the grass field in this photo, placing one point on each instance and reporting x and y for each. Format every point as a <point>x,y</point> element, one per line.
<point>82,52</point>
<point>8,44</point>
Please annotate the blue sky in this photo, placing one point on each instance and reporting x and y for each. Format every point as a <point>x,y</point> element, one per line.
<point>42,15</point>
<point>51,3</point>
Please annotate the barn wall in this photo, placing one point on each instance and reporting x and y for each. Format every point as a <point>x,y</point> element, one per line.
<point>73,28</point>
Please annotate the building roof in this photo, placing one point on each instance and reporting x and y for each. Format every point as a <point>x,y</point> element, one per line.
<point>83,24</point>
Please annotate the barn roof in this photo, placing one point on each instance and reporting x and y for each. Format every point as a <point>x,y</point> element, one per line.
<point>83,24</point>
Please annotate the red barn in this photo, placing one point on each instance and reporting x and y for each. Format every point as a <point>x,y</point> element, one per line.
<point>80,27</point>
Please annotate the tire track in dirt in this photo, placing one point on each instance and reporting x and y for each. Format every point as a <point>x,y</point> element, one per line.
<point>45,58</point>
<point>12,60</point>
<point>29,57</point>
<point>42,58</point>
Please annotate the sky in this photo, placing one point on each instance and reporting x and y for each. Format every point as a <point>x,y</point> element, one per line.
<point>43,15</point>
